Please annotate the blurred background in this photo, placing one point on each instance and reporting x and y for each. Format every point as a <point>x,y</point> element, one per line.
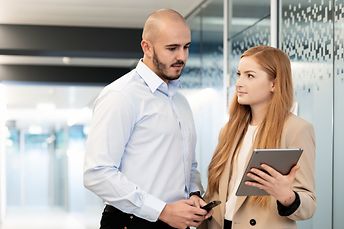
<point>56,56</point>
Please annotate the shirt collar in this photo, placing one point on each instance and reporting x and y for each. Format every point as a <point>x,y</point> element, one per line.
<point>154,82</point>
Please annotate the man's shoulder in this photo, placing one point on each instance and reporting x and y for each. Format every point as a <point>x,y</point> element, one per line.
<point>122,82</point>
<point>126,84</point>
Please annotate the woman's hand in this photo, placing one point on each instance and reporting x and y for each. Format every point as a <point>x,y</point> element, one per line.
<point>274,183</point>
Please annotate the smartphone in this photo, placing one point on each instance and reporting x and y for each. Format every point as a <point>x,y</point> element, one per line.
<point>211,205</point>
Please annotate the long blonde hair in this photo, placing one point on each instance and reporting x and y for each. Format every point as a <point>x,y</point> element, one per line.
<point>277,65</point>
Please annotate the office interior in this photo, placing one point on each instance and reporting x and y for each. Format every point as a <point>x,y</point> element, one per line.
<point>56,56</point>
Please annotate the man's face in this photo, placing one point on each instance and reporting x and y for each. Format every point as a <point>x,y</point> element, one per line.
<point>170,70</point>
<point>170,52</point>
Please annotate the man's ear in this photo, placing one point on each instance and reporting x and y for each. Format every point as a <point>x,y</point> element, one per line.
<point>147,48</point>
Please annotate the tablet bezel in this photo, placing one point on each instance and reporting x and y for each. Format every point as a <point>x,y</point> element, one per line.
<point>281,160</point>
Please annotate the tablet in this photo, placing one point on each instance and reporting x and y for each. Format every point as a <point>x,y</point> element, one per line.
<point>281,160</point>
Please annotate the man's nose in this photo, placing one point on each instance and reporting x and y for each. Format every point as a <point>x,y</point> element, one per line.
<point>183,55</point>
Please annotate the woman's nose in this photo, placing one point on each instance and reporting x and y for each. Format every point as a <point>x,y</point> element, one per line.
<point>238,82</point>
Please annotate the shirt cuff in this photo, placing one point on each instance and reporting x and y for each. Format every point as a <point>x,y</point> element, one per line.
<point>288,210</point>
<point>151,208</point>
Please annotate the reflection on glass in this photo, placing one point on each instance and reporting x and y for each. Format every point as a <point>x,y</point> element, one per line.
<point>249,26</point>
<point>202,80</point>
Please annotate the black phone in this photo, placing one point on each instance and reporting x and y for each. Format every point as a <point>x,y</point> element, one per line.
<point>211,205</point>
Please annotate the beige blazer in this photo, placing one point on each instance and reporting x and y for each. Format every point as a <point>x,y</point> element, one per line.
<point>297,133</point>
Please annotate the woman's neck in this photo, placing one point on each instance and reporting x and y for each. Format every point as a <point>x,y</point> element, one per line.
<point>258,114</point>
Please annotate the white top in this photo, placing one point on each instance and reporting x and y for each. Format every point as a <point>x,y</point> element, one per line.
<point>140,151</point>
<point>239,166</point>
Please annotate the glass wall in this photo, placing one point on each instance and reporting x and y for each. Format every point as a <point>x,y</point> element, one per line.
<point>307,37</point>
<point>320,50</point>
<point>338,120</point>
<point>203,81</point>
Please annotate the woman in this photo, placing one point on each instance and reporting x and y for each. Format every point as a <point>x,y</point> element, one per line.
<point>260,117</point>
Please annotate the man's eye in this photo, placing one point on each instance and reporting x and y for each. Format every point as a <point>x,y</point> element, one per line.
<point>171,49</point>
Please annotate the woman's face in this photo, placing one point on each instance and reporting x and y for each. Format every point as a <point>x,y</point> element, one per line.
<point>253,86</point>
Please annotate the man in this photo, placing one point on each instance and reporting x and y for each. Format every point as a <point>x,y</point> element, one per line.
<point>140,153</point>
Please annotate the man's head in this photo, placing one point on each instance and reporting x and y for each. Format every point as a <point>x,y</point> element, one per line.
<point>165,43</point>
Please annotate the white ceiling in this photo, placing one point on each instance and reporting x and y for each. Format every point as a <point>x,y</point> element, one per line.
<point>99,13</point>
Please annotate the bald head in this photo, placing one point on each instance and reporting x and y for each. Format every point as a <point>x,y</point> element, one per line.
<point>165,43</point>
<point>159,21</point>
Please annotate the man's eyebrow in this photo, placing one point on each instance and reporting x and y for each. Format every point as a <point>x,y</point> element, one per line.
<point>172,45</point>
<point>176,45</point>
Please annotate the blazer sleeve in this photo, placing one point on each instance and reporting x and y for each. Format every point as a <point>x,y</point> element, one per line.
<point>301,135</point>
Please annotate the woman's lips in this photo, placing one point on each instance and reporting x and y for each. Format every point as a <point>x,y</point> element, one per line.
<point>241,93</point>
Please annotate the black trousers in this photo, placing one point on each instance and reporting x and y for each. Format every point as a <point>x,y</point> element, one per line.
<point>227,224</point>
<point>113,218</point>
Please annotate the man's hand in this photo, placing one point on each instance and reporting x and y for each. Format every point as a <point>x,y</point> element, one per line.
<point>183,213</point>
<point>198,202</point>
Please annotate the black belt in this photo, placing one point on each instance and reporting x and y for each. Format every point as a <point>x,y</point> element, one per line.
<point>132,219</point>
<point>227,224</point>
<point>112,209</point>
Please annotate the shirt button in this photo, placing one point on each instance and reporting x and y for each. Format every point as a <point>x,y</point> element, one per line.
<point>253,222</point>
<point>131,217</point>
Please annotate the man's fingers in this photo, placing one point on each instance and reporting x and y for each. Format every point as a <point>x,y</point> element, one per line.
<point>189,202</point>
<point>196,201</point>
<point>210,213</point>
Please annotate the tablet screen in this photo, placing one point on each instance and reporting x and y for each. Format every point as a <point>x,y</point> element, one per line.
<point>281,160</point>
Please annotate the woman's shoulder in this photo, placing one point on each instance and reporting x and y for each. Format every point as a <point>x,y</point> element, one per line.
<point>296,122</point>
<point>296,130</point>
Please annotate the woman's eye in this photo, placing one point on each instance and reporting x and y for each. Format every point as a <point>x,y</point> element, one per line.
<point>250,76</point>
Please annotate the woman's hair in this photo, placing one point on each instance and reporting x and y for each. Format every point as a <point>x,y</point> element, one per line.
<point>277,65</point>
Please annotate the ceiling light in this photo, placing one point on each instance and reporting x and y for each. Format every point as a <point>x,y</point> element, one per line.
<point>66,60</point>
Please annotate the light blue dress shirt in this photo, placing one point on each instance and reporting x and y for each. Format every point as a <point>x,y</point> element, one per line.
<point>140,151</point>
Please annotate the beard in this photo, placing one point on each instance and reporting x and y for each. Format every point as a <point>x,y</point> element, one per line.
<point>162,69</point>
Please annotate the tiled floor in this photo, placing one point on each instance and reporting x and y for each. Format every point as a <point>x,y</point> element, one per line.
<point>50,220</point>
